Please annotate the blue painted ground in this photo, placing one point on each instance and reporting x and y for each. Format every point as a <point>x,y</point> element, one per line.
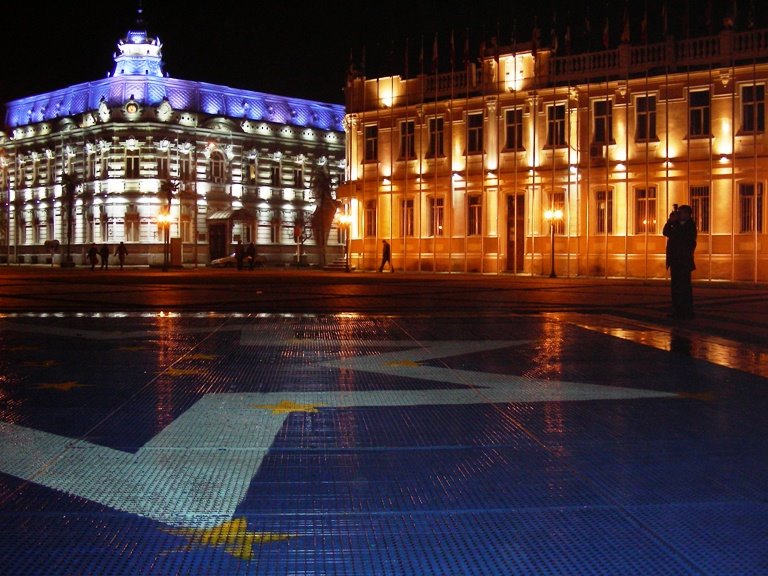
<point>346,445</point>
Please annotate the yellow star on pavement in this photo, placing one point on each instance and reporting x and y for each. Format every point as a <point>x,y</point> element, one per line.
<point>201,357</point>
<point>182,371</point>
<point>408,363</point>
<point>286,406</point>
<point>233,535</point>
<point>63,386</point>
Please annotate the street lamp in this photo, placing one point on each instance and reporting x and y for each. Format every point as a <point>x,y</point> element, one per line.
<point>164,219</point>
<point>345,221</point>
<point>553,217</point>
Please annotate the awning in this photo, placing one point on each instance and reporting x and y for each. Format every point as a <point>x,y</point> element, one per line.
<point>232,214</point>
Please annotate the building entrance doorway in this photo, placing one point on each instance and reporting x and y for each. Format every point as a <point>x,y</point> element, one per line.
<point>217,240</point>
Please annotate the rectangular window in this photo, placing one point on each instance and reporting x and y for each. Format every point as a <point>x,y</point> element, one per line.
<point>645,210</point>
<point>602,111</point>
<point>698,114</point>
<point>371,143</point>
<point>513,129</point>
<point>185,172</point>
<point>162,167</point>
<point>90,166</point>
<point>645,119</point>
<point>753,108</point>
<point>370,218</point>
<point>700,207</point>
<point>132,165</point>
<point>406,214</point>
<point>556,125</point>
<point>436,137</point>
<point>436,216</point>
<point>751,207</point>
<point>474,215</point>
<point>604,207</point>
<point>274,175</point>
<point>475,133</point>
<point>298,178</point>
<point>407,139</point>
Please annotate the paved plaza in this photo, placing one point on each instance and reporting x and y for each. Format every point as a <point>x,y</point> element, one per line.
<point>532,443</point>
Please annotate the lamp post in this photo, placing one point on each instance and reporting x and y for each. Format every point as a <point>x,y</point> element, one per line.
<point>164,219</point>
<point>553,217</point>
<point>345,221</point>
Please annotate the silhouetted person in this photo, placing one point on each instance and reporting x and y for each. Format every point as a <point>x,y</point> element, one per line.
<point>386,256</point>
<point>93,256</point>
<point>104,253</point>
<point>121,253</point>
<point>680,231</point>
<point>239,255</point>
<point>250,254</point>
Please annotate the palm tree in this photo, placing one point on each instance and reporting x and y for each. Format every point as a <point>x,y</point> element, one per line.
<point>69,183</point>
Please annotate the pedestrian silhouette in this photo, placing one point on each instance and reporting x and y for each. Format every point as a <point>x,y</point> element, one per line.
<point>239,255</point>
<point>92,256</point>
<point>104,253</point>
<point>386,256</point>
<point>121,253</point>
<point>680,231</point>
<point>250,255</point>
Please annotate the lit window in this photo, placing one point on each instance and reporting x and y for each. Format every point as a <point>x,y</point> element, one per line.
<point>475,133</point>
<point>645,210</point>
<point>645,119</point>
<point>751,207</point>
<point>753,108</point>
<point>474,215</point>
<point>556,125</point>
<point>698,114</point>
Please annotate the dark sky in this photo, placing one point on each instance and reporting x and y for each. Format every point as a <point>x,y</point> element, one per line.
<point>302,51</point>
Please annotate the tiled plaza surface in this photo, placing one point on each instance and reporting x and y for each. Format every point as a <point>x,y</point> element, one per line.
<point>213,444</point>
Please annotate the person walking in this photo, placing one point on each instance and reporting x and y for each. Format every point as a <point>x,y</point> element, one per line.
<point>93,256</point>
<point>250,254</point>
<point>239,255</point>
<point>104,253</point>
<point>386,256</point>
<point>121,253</point>
<point>680,231</point>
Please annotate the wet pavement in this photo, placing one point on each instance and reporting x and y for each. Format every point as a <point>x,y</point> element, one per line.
<point>533,442</point>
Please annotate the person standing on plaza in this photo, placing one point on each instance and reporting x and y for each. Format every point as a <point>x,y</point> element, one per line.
<point>680,230</point>
<point>93,256</point>
<point>250,254</point>
<point>121,253</point>
<point>104,253</point>
<point>386,256</point>
<point>239,255</point>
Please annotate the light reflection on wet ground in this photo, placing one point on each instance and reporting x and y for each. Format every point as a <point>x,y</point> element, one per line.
<point>720,351</point>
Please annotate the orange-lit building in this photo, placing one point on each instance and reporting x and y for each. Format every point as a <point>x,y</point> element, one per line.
<point>239,166</point>
<point>462,171</point>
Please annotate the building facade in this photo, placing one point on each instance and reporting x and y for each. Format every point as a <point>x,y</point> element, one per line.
<point>179,171</point>
<point>530,162</point>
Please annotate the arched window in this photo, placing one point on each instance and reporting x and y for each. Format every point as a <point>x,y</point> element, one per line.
<point>217,167</point>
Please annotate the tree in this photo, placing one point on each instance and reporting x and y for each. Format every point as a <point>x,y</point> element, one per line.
<point>326,207</point>
<point>69,183</point>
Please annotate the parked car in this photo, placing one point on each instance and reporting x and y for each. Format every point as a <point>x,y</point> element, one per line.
<point>231,261</point>
<point>225,262</point>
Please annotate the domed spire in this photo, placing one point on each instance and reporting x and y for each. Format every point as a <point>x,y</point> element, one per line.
<point>139,54</point>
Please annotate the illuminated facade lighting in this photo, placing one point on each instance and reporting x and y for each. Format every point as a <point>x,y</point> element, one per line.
<point>243,161</point>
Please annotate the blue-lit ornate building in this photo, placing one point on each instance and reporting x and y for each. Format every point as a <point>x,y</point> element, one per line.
<point>178,170</point>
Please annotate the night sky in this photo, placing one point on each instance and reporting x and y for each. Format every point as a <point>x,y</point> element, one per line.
<point>284,48</point>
